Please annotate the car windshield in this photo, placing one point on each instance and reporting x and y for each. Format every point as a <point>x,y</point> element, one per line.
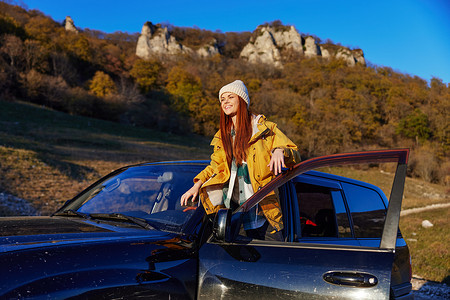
<point>148,192</point>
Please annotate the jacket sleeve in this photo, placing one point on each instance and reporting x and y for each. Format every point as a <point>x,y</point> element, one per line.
<point>215,160</point>
<point>280,140</point>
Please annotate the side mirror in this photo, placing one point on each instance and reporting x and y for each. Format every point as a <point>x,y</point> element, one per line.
<point>221,226</point>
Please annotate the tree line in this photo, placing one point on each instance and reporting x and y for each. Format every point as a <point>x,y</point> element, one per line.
<point>323,105</point>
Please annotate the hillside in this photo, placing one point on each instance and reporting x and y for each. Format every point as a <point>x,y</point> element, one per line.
<point>324,104</point>
<point>47,157</point>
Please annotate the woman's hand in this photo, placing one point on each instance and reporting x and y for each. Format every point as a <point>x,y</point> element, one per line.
<point>277,161</point>
<point>192,192</point>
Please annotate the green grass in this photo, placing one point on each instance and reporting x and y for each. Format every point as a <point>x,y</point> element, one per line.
<point>417,193</point>
<point>42,123</point>
<point>429,247</point>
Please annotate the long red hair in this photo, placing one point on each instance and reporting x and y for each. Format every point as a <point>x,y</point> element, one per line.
<point>243,130</point>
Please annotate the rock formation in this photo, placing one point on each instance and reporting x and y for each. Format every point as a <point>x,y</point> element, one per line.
<point>346,55</point>
<point>262,49</point>
<point>69,25</point>
<point>288,39</point>
<point>209,49</point>
<point>351,57</point>
<point>156,40</point>
<point>267,45</point>
<point>311,48</point>
<point>268,42</point>
<point>358,54</point>
<point>325,53</point>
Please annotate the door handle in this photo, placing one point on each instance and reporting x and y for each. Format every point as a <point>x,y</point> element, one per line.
<point>351,279</point>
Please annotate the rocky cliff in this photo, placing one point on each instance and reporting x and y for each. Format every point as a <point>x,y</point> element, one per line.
<point>69,25</point>
<point>268,42</point>
<point>267,45</point>
<point>262,49</point>
<point>209,49</point>
<point>157,40</point>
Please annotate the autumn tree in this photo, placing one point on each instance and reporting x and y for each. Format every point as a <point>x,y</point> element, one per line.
<point>12,46</point>
<point>10,26</point>
<point>81,47</point>
<point>415,125</point>
<point>34,56</point>
<point>185,87</point>
<point>186,90</point>
<point>145,73</point>
<point>102,85</point>
<point>42,29</point>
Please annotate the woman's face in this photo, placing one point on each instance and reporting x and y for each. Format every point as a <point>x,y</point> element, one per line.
<point>229,103</point>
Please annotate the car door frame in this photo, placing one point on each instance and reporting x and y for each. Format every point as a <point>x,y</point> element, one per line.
<point>215,257</point>
<point>399,156</point>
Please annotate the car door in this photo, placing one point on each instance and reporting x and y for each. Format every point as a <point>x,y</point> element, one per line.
<point>248,269</point>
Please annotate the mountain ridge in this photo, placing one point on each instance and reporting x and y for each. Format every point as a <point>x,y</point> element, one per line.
<point>267,44</point>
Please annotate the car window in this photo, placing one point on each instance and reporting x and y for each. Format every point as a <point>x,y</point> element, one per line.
<point>317,212</point>
<point>322,211</point>
<point>367,210</point>
<point>122,194</point>
<point>150,192</point>
<point>344,229</point>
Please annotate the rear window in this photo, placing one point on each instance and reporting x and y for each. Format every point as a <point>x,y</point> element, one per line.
<point>367,210</point>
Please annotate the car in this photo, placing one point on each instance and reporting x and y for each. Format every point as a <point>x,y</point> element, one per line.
<point>127,236</point>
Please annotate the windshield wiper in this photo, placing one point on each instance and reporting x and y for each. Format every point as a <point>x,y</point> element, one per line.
<point>75,213</point>
<point>134,220</point>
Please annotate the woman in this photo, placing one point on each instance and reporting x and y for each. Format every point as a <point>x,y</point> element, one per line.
<point>248,152</point>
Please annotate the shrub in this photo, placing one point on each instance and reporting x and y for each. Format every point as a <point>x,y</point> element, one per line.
<point>80,102</point>
<point>425,164</point>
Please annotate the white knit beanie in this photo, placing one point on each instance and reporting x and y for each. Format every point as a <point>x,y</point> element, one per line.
<point>237,87</point>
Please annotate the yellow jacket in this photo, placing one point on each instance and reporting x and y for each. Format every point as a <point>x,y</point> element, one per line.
<point>267,138</point>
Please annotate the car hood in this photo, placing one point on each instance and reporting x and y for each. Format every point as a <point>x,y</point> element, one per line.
<point>18,233</point>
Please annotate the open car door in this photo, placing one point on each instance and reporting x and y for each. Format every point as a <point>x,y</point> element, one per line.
<point>281,270</point>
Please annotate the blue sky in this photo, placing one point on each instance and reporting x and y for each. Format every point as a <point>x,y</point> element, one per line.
<point>410,36</point>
